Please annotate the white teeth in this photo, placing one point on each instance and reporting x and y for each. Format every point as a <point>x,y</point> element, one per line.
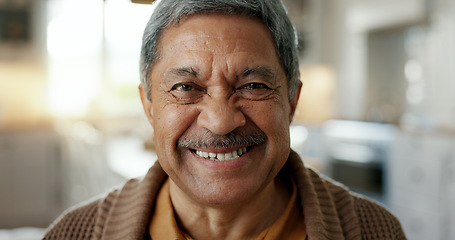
<point>241,151</point>
<point>235,154</point>
<point>222,156</point>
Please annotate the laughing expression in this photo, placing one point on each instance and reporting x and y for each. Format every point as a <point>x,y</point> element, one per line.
<point>219,108</point>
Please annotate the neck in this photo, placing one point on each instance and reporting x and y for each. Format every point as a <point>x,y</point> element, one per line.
<point>236,221</point>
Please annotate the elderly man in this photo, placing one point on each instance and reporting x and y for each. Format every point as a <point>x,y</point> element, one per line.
<point>220,86</point>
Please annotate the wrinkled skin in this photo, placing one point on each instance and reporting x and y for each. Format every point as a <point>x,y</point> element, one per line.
<point>215,75</point>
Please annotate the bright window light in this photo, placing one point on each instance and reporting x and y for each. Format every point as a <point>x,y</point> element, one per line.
<point>73,86</point>
<point>74,37</point>
<point>124,26</point>
<point>77,28</point>
<point>89,69</point>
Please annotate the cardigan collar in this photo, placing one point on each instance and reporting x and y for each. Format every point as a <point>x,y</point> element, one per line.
<point>320,209</point>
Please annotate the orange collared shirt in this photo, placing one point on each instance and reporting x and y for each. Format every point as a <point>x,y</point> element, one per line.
<point>289,226</point>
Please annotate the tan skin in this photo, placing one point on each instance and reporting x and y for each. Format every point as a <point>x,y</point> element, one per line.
<point>215,74</point>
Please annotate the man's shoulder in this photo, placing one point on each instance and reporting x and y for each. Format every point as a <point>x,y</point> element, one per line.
<point>89,219</point>
<point>376,221</point>
<point>77,222</point>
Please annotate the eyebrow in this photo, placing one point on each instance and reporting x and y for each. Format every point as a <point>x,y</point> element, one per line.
<point>174,74</point>
<point>263,72</point>
<point>183,72</point>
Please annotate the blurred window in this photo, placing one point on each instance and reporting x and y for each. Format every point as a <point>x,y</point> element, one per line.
<point>124,23</point>
<point>93,56</point>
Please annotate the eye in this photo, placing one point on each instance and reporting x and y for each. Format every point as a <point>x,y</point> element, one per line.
<point>255,86</point>
<point>254,91</point>
<point>186,93</point>
<point>183,87</point>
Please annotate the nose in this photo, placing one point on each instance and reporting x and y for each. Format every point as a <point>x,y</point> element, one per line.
<point>220,115</point>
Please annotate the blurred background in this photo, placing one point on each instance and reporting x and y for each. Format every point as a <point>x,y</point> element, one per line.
<point>377,108</point>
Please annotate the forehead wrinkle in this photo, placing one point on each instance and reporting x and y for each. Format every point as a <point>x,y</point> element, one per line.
<point>215,45</point>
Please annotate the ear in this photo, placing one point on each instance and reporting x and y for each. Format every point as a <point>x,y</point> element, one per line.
<point>294,102</point>
<point>146,103</point>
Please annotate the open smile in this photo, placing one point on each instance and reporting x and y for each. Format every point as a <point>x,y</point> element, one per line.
<point>221,156</point>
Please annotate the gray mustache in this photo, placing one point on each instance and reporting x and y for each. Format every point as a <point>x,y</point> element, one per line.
<point>232,139</point>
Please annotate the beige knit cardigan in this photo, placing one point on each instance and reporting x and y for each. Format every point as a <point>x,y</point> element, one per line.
<point>331,212</point>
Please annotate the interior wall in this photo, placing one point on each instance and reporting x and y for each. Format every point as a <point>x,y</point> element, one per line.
<point>340,34</point>
<point>386,90</point>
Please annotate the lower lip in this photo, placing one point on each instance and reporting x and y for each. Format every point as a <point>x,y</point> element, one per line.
<point>229,165</point>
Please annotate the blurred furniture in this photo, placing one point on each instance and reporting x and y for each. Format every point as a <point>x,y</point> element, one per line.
<point>422,185</point>
<point>128,157</point>
<point>45,171</point>
<point>29,190</point>
<point>357,153</point>
<point>306,140</point>
<point>84,168</point>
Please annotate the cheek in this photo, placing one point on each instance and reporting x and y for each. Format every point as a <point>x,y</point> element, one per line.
<point>170,122</point>
<point>272,117</point>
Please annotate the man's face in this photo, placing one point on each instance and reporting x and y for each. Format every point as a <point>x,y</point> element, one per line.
<point>219,108</point>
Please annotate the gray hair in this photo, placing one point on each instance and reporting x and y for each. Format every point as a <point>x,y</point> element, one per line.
<point>271,12</point>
